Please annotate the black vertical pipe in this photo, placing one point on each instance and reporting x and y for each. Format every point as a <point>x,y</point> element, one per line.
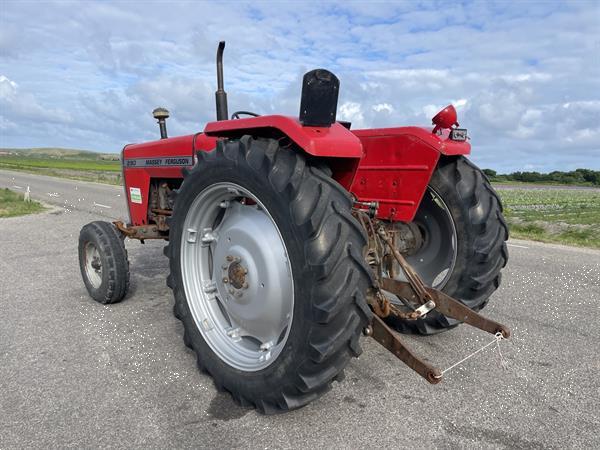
<point>163,128</point>
<point>221,95</point>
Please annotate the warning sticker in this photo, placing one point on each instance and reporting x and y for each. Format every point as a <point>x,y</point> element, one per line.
<point>135,194</point>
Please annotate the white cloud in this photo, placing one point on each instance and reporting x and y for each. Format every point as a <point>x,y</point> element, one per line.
<point>352,112</point>
<point>8,88</point>
<point>525,80</point>
<point>386,107</point>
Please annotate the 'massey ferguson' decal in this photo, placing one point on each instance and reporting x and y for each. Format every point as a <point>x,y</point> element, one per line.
<point>168,161</point>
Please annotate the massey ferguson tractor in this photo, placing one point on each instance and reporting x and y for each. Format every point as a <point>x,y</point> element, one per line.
<point>289,237</point>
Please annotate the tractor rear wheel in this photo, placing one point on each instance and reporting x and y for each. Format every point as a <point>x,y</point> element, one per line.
<point>463,241</point>
<point>266,266</point>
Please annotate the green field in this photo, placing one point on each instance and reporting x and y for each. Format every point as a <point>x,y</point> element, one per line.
<point>74,164</point>
<point>12,204</point>
<point>63,163</point>
<point>569,217</point>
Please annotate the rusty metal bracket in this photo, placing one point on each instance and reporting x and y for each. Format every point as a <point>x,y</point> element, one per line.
<point>414,293</point>
<point>391,340</point>
<point>447,306</point>
<point>140,232</point>
<point>440,302</point>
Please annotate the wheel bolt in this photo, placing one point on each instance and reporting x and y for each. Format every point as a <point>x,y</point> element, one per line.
<point>229,258</point>
<point>225,280</point>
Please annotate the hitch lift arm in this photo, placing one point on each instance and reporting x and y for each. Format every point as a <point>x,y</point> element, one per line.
<point>414,291</point>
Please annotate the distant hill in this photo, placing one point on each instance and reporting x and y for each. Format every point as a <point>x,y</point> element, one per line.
<point>62,153</point>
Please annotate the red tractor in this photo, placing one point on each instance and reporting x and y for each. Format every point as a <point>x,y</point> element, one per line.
<point>288,237</point>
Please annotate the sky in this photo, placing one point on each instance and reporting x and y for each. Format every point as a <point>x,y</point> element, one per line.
<point>523,75</point>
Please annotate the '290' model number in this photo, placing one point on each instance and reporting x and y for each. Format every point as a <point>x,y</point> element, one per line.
<point>159,162</point>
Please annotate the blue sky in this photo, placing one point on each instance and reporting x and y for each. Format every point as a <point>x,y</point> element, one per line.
<point>524,75</point>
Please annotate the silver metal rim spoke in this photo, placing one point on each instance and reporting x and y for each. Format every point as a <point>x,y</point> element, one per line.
<point>436,260</point>
<point>93,265</point>
<point>237,276</point>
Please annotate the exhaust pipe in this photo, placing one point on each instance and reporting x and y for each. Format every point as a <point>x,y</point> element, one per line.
<point>221,95</point>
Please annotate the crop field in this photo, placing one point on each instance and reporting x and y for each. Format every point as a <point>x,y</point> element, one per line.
<point>554,215</point>
<point>78,168</point>
<point>52,163</point>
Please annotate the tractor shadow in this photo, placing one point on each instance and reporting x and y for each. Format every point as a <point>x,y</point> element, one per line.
<point>148,268</point>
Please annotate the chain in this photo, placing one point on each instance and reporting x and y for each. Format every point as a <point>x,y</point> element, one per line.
<point>497,338</point>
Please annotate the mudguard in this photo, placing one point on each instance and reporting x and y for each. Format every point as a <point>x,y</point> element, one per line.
<point>397,167</point>
<point>335,141</point>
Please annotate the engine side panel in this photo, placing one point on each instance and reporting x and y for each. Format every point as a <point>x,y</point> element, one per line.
<point>397,167</point>
<point>162,159</point>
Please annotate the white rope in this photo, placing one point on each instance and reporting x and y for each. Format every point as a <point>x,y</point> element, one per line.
<point>497,338</point>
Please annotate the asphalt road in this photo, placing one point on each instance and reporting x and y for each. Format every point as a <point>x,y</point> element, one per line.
<point>101,199</point>
<point>74,373</point>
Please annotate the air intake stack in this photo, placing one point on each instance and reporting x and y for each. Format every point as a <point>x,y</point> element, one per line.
<point>161,114</point>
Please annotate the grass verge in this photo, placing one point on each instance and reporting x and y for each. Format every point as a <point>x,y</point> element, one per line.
<point>12,204</point>
<point>560,216</point>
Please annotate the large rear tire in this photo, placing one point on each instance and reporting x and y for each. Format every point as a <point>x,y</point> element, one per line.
<point>464,242</point>
<point>267,269</point>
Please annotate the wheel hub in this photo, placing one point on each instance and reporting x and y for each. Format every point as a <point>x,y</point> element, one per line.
<point>93,265</point>
<point>435,256</point>
<point>237,276</point>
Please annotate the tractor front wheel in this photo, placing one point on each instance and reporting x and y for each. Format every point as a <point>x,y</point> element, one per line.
<point>103,262</point>
<point>267,271</point>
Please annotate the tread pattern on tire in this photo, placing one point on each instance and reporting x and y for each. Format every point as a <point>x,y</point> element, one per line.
<point>112,246</point>
<point>483,233</point>
<point>320,210</point>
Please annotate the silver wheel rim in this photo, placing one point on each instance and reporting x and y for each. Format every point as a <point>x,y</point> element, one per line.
<point>435,260</point>
<point>237,276</point>
<point>93,265</point>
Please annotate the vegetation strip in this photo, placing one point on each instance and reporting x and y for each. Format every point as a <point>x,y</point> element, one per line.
<point>64,163</point>
<point>12,204</point>
<point>560,216</point>
<point>569,217</point>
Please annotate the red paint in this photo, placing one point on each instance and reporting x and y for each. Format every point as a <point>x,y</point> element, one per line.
<point>446,118</point>
<point>140,177</point>
<point>395,170</point>
<point>335,141</point>
<point>397,167</point>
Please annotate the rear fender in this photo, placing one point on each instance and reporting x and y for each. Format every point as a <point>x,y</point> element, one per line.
<point>339,148</point>
<point>397,167</point>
